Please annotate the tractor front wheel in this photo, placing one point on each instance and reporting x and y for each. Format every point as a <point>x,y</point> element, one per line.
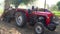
<point>39,29</point>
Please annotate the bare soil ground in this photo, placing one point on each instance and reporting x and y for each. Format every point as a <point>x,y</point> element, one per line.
<point>11,28</point>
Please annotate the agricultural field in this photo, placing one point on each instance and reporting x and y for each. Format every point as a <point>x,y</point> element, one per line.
<point>57,13</point>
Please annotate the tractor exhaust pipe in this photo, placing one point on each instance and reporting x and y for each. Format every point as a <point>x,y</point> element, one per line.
<point>44,5</point>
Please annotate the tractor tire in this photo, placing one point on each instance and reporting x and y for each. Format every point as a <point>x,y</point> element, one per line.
<point>20,18</point>
<point>7,18</point>
<point>53,29</point>
<point>39,29</point>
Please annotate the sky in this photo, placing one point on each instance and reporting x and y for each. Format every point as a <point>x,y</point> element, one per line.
<point>1,4</point>
<point>39,2</point>
<point>1,1</point>
<point>51,2</point>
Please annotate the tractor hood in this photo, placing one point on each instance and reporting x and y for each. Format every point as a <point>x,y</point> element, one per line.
<point>42,13</point>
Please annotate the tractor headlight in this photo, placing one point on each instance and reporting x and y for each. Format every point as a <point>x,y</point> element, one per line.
<point>55,20</point>
<point>53,17</point>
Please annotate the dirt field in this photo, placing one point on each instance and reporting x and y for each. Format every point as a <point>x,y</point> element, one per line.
<point>11,28</point>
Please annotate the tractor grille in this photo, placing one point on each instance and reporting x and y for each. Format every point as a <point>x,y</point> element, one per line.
<point>51,19</point>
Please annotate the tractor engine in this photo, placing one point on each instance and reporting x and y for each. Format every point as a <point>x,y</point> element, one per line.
<point>41,19</point>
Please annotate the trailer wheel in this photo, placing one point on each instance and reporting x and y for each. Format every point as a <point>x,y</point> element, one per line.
<point>20,18</point>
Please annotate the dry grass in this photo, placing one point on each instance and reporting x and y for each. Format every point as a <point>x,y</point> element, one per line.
<point>5,31</point>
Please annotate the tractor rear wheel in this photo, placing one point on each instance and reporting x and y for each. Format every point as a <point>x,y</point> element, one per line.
<point>20,18</point>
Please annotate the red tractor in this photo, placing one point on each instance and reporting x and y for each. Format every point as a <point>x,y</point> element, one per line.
<point>40,19</point>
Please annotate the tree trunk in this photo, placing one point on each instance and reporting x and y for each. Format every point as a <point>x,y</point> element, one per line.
<point>6,6</point>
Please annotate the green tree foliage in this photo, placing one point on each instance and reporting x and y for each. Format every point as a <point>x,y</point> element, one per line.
<point>17,2</point>
<point>58,4</point>
<point>53,7</point>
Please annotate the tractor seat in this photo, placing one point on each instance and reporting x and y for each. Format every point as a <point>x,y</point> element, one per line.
<point>29,11</point>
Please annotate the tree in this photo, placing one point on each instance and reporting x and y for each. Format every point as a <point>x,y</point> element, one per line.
<point>7,4</point>
<point>18,2</point>
<point>53,7</point>
<point>58,4</point>
<point>15,2</point>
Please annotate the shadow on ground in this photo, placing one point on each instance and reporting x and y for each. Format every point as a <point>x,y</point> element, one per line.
<point>11,28</point>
